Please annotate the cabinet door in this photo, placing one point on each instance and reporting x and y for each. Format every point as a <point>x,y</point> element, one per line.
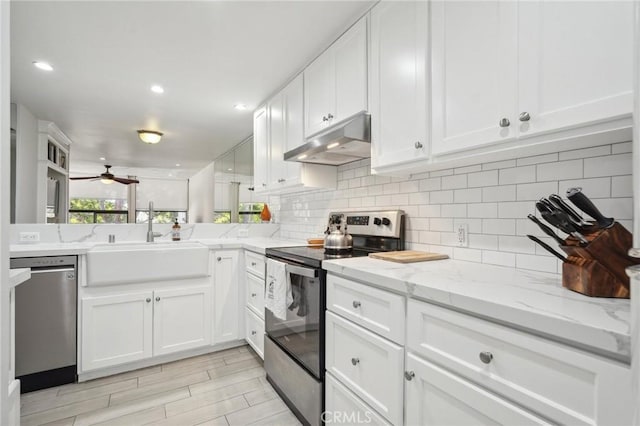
<point>116,329</point>
<point>254,332</point>
<point>435,396</point>
<point>350,53</point>
<point>181,319</point>
<point>319,93</point>
<point>398,82</point>
<point>277,166</point>
<point>474,74</point>
<point>576,63</point>
<point>294,127</point>
<point>226,297</point>
<point>260,149</point>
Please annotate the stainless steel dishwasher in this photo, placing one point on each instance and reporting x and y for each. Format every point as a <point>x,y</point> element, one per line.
<point>45,326</point>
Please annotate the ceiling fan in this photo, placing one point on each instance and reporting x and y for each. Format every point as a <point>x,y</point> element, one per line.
<point>107,177</point>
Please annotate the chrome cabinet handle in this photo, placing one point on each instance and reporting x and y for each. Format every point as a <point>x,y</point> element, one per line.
<point>418,145</point>
<point>356,304</point>
<point>409,375</point>
<point>505,122</point>
<point>355,361</point>
<point>254,294</point>
<point>219,259</point>
<point>281,180</point>
<point>329,116</point>
<point>264,184</point>
<point>486,357</point>
<point>148,299</point>
<point>524,116</point>
<point>158,299</point>
<point>253,263</point>
<point>253,332</point>
<point>324,118</point>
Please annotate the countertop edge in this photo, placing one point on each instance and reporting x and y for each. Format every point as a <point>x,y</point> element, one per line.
<point>18,276</point>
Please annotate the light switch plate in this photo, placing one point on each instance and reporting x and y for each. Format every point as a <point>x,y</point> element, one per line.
<point>29,237</point>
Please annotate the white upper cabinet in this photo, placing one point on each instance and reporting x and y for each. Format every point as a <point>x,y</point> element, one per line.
<point>506,70</point>
<point>285,133</point>
<point>474,66</point>
<point>336,82</point>
<point>576,63</point>
<point>398,60</point>
<point>260,149</point>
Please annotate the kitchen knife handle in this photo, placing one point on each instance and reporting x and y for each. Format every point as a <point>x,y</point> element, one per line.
<point>547,247</point>
<point>581,201</point>
<point>546,229</point>
<point>556,200</point>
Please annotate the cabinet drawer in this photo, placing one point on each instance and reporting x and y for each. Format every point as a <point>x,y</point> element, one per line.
<point>343,407</point>
<point>254,332</point>
<point>565,385</point>
<point>254,263</point>
<point>377,310</point>
<point>255,294</point>
<point>367,364</point>
<point>435,396</point>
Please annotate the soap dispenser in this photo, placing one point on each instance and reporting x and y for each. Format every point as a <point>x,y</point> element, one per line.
<point>175,231</point>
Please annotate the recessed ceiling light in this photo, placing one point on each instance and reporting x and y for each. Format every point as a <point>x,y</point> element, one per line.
<point>230,169</point>
<point>177,164</point>
<point>240,107</point>
<point>43,65</point>
<point>157,89</point>
<point>302,157</point>
<point>333,145</point>
<point>102,159</point>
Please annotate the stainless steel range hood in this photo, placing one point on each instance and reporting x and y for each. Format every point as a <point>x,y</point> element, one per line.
<point>342,143</point>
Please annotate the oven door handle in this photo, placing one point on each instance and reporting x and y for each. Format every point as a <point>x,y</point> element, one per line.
<point>305,272</point>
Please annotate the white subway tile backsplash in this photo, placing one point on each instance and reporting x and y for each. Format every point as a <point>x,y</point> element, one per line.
<point>441,197</point>
<point>621,186</point>
<point>594,187</point>
<point>611,165</point>
<point>535,191</point>
<point>571,169</point>
<point>546,158</point>
<point>482,210</point>
<point>499,226</point>
<point>499,193</point>
<point>517,175</point>
<point>480,179</point>
<point>492,199</point>
<point>473,195</point>
<point>454,182</point>
<point>498,258</point>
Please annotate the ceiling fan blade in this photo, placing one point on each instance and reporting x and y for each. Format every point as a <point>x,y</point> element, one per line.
<point>84,177</point>
<point>125,181</point>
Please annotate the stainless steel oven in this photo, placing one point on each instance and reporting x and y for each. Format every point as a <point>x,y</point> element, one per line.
<point>294,347</point>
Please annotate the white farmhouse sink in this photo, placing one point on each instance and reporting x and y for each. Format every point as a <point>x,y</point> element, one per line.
<point>127,262</point>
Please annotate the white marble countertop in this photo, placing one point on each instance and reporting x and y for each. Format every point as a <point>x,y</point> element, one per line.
<point>18,276</point>
<point>257,244</point>
<point>528,300</point>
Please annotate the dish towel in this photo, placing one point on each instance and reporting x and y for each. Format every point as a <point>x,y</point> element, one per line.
<point>278,289</point>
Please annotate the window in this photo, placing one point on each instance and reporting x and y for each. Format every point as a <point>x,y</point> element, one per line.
<point>142,216</point>
<point>97,210</point>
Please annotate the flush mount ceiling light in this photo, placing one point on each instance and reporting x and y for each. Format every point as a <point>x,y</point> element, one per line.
<point>240,107</point>
<point>42,65</point>
<point>157,89</point>
<point>149,136</point>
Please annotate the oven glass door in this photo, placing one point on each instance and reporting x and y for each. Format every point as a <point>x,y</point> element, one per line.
<point>302,332</point>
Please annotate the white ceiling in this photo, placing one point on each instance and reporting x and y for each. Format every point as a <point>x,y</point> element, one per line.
<point>208,56</point>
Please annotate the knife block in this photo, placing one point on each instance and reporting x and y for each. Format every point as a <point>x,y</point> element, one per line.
<point>598,269</point>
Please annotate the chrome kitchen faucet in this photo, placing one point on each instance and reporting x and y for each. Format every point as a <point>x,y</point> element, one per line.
<point>150,234</point>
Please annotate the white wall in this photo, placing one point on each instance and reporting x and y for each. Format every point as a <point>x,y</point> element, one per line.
<point>26,165</point>
<point>201,195</point>
<point>5,142</point>
<point>492,198</point>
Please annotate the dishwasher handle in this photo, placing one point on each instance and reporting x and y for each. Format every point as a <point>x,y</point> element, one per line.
<point>48,270</point>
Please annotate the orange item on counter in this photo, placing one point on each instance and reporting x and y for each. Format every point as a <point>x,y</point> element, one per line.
<point>265,214</point>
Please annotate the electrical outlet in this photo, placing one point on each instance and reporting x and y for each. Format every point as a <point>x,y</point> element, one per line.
<point>29,237</point>
<point>463,235</point>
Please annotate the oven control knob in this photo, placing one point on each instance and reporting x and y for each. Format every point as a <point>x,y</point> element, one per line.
<point>377,221</point>
<point>386,221</point>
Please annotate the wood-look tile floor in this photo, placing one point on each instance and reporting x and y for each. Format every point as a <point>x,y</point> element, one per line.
<point>222,388</point>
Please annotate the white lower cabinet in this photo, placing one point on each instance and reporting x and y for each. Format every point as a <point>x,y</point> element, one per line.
<point>226,309</point>
<point>366,363</point>
<point>343,407</point>
<point>116,329</point>
<point>181,319</point>
<point>435,396</point>
<point>254,331</point>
